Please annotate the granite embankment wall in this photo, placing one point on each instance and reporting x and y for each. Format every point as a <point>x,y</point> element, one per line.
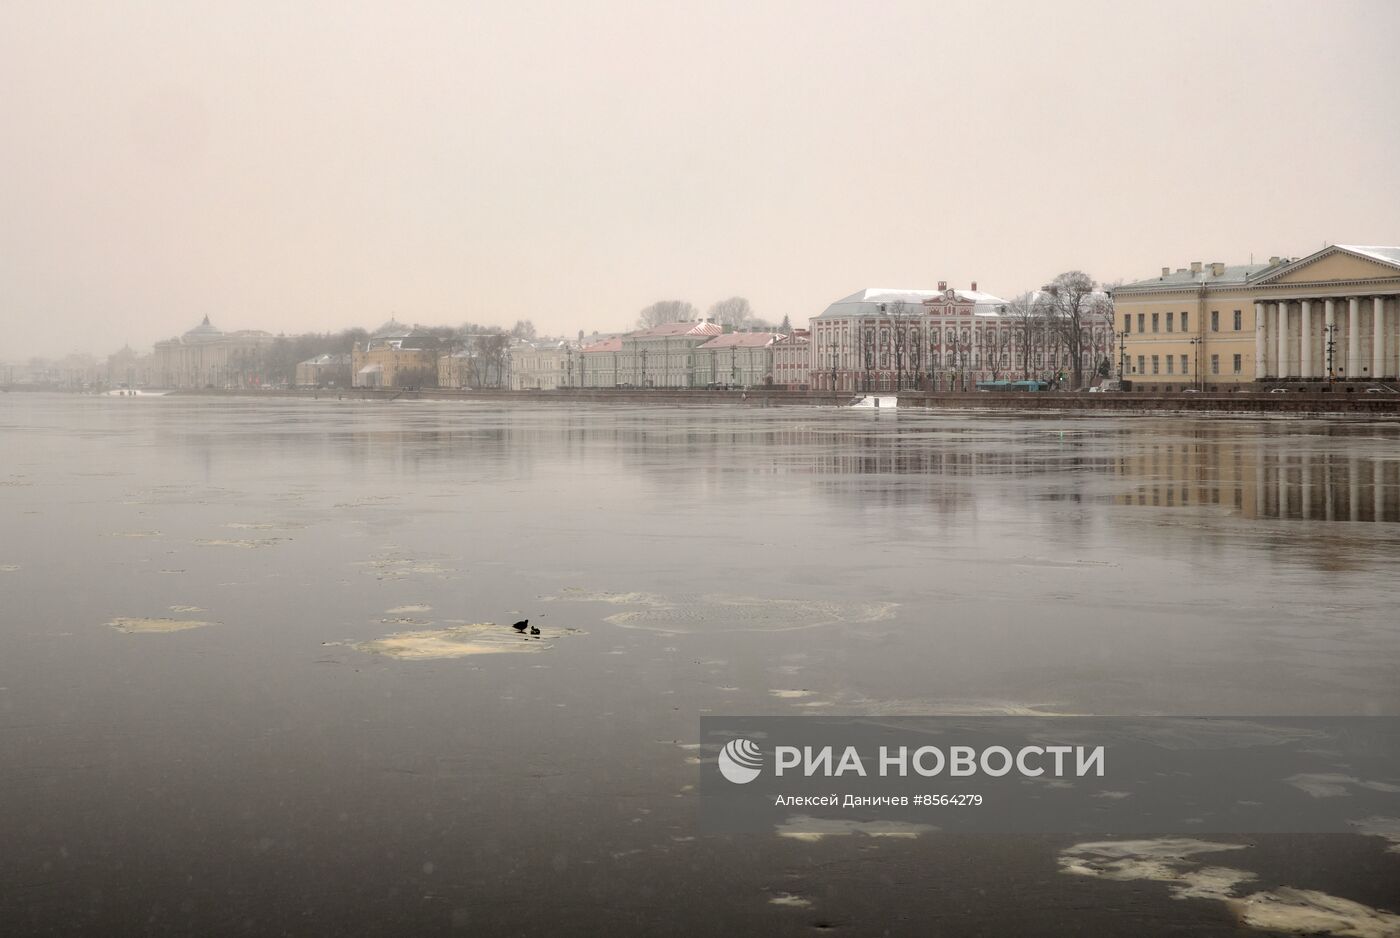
<point>1131,402</point>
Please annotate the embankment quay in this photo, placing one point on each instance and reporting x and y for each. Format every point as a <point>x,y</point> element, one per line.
<point>1338,400</point>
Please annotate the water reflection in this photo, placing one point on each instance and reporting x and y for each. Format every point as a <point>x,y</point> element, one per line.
<point>1267,475</point>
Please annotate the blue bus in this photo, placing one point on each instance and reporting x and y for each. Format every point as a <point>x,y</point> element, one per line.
<point>1012,385</point>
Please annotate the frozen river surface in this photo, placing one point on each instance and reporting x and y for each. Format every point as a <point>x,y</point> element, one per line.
<point>257,676</point>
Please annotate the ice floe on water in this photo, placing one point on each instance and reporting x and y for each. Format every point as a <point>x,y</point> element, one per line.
<point>790,901</point>
<point>1334,784</point>
<point>185,609</point>
<point>722,613</point>
<point>1379,826</point>
<point>134,534</point>
<point>790,694</point>
<point>458,641</point>
<point>243,543</point>
<point>405,610</point>
<point>1176,862</point>
<point>9,567</point>
<point>813,829</point>
<point>133,625</point>
<point>1169,860</point>
<point>1309,912</point>
<point>393,567</point>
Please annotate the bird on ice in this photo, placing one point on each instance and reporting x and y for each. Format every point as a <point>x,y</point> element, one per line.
<point>534,629</point>
<point>520,626</point>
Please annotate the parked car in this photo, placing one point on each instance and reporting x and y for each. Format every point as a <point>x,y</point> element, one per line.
<point>1190,390</point>
<point>1278,390</point>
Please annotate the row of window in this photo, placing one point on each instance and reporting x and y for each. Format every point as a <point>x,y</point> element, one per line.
<point>1171,321</point>
<point>1171,360</point>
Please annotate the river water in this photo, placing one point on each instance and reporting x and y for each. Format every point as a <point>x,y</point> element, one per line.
<point>257,675</point>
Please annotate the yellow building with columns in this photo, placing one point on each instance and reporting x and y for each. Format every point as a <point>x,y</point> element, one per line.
<point>1334,313</point>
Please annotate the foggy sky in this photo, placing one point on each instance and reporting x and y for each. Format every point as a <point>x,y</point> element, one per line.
<point>313,166</point>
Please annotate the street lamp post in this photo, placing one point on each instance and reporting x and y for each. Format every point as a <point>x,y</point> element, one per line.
<point>1195,344</point>
<point>1122,354</point>
<point>833,365</point>
<point>1331,333</point>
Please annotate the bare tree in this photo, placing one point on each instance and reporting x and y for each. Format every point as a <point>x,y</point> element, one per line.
<point>523,329</point>
<point>1027,323</point>
<point>1074,306</point>
<point>664,311</point>
<point>734,312</point>
<point>901,319</point>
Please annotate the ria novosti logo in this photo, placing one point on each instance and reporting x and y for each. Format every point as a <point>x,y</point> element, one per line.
<point>740,761</point>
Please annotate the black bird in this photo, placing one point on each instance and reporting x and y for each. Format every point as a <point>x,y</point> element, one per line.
<point>520,626</point>
<point>534,630</point>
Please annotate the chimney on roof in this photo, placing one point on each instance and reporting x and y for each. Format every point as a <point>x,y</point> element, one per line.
<point>942,285</point>
<point>1217,269</point>
<point>1166,271</point>
<point>1273,261</point>
<point>1195,267</point>
<point>974,286</point>
<point>1181,270</point>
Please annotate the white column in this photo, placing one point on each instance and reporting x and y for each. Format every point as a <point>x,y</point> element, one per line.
<point>1305,340</point>
<point>1330,332</point>
<point>1377,338</point>
<point>1260,365</point>
<point>1354,340</point>
<point>1281,369</point>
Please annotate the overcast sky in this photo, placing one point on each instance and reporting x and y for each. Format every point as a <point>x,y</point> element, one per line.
<point>297,166</point>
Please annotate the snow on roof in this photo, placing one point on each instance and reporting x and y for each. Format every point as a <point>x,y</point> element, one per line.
<point>607,345</point>
<point>1386,255</point>
<point>867,302</point>
<point>743,340</point>
<point>699,327</point>
<point>1232,273</point>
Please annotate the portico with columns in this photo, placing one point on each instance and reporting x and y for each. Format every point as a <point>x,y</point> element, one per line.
<point>1334,314</point>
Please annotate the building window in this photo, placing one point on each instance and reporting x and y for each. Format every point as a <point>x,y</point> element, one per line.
<point>1155,317</point>
<point>1155,365</point>
<point>1215,320</point>
<point>1184,369</point>
<point>1141,318</point>
<point>1215,364</point>
<point>1169,322</point>
<point>1127,322</point>
<point>1140,364</point>
<point>1170,362</point>
<point>1185,322</point>
<point>1237,320</point>
<point>1237,359</point>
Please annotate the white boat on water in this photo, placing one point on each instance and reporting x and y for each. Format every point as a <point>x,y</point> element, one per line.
<point>876,401</point>
<point>133,392</point>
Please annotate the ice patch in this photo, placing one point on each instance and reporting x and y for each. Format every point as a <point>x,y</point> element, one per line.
<point>722,613</point>
<point>137,625</point>
<point>412,607</point>
<point>245,544</point>
<point>185,609</point>
<point>812,829</point>
<point>790,694</point>
<point>1172,861</point>
<point>1309,912</point>
<point>459,641</point>
<point>1334,785</point>
<point>1380,826</point>
<point>8,567</point>
<point>790,901</point>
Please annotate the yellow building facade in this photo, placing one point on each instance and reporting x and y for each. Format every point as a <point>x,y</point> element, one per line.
<point>1333,314</point>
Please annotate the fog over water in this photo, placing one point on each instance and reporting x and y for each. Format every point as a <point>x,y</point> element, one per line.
<point>257,672</point>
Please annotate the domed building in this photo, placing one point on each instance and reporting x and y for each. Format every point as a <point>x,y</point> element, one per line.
<point>206,357</point>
